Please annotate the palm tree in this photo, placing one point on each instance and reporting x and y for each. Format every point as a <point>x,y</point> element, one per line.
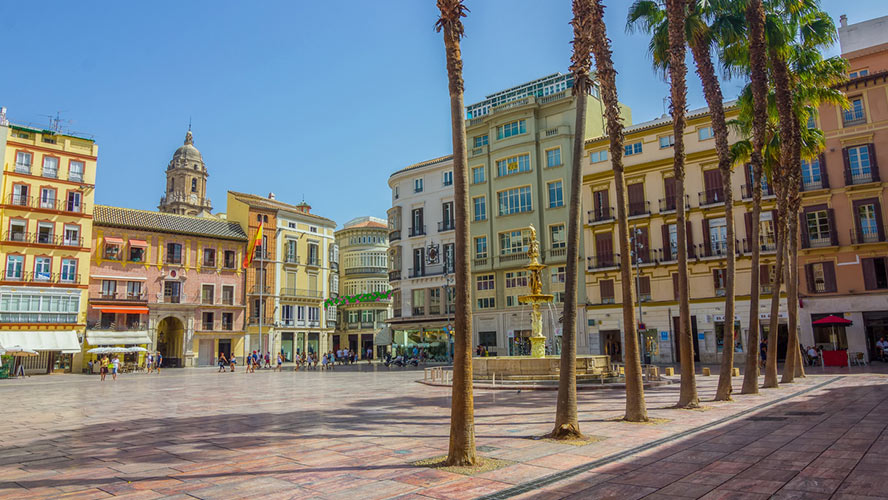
<point>462,412</point>
<point>758,76</point>
<point>705,26</point>
<point>567,424</point>
<point>636,411</point>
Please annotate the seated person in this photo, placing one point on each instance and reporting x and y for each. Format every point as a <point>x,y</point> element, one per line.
<point>882,349</point>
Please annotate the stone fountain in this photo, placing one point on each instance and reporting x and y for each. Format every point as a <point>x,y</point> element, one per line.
<point>536,297</point>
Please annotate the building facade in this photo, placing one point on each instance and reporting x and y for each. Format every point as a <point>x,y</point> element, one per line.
<point>519,152</point>
<point>363,252</point>
<point>650,192</point>
<point>174,279</point>
<point>186,182</point>
<point>46,207</point>
<point>420,261</point>
<point>844,256</point>
<point>294,270</point>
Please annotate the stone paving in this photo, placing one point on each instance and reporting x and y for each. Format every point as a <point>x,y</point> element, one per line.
<point>351,434</point>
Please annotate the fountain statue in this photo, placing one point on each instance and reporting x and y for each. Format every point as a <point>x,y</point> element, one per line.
<point>536,297</point>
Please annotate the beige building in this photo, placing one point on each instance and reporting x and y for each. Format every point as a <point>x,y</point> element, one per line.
<point>519,152</point>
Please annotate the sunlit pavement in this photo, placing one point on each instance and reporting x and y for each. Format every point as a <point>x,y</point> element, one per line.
<point>353,433</point>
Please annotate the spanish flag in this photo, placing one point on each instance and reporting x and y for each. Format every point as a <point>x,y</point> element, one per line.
<point>257,241</point>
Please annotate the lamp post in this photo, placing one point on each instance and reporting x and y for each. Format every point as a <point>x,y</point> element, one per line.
<point>637,255</point>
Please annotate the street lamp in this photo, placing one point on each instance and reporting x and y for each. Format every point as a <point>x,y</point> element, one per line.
<point>637,256</point>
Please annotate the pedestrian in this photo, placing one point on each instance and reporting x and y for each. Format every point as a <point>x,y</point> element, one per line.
<point>324,362</point>
<point>222,362</point>
<point>267,359</point>
<point>150,361</point>
<point>90,366</point>
<point>331,359</point>
<point>232,362</point>
<point>763,350</point>
<point>115,367</point>
<point>369,355</point>
<point>280,363</point>
<point>158,362</point>
<point>103,370</point>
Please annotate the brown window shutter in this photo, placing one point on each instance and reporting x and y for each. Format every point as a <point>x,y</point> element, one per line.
<point>765,274</point>
<point>829,276</point>
<point>747,168</point>
<point>879,224</point>
<point>644,285</point>
<point>833,230</point>
<point>689,233</point>
<point>667,248</point>
<point>607,289</point>
<point>824,175</point>
<point>675,285</point>
<point>847,166</point>
<point>747,217</point>
<point>809,277</point>
<point>869,273</point>
<point>803,227</point>
<point>643,243</point>
<point>716,278</point>
<point>707,242</point>
<point>669,182</point>
<point>635,193</point>
<point>874,163</point>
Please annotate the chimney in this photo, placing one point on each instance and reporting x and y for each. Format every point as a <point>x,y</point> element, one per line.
<point>843,21</point>
<point>270,196</point>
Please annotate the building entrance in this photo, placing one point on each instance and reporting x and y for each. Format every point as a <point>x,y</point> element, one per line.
<point>225,347</point>
<point>612,344</point>
<point>170,341</point>
<point>875,323</point>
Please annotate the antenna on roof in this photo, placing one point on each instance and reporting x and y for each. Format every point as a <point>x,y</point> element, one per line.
<point>189,123</point>
<point>55,122</point>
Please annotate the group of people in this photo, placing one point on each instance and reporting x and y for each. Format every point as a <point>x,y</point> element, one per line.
<point>481,351</point>
<point>153,362</point>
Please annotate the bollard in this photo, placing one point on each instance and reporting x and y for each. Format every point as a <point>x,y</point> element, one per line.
<point>493,380</point>
<point>706,372</point>
<point>425,374</point>
<point>654,373</point>
<point>735,372</point>
<point>670,371</point>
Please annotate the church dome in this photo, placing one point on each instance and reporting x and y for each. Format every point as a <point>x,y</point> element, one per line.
<point>187,155</point>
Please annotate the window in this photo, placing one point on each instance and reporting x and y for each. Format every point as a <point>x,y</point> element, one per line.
<point>134,290</point>
<point>42,268</point>
<point>75,171</point>
<point>480,208</point>
<point>704,133</point>
<point>287,315</point>
<point>514,242</point>
<point>515,279</point>
<point>20,194</point>
<point>632,149</point>
<point>812,121</point>
<point>667,141</point>
<point>515,201</point>
<point>643,293</point>
<point>395,191</point>
<point>312,254</point>
<point>207,322</point>
<point>818,273</point>
<point>718,236</point>
<point>291,251</point>
<point>477,175</point>
<point>72,235</point>
<point>767,238</point>
<point>47,198</point>
<point>720,337</point>
<point>513,165</point>
<point>553,157</point>
<point>112,249</point>
<point>510,129</point>
<point>18,230</point>
<point>481,247</point>
<point>209,257</point>
<point>206,294</point>
<point>193,185</point>
<point>512,301</point>
<point>50,167</point>
<point>875,273</point>
<point>17,307</point>
<point>314,315</point>
<point>485,282</point>
<point>23,162</point>
<point>417,185</point>
<point>230,259</point>
<point>673,241</point>
<point>227,321</point>
<point>719,277</point>
<point>859,164</point>
<point>866,218</point>
<point>419,302</point>
<point>556,197</point>
<point>811,178</point>
<point>818,228</point>
<point>606,288</point>
<point>174,253</point>
<point>69,270</point>
<point>434,302</point>
<point>558,297</point>
<point>14,266</point>
<point>557,236</point>
<point>480,140</point>
<point>855,113</point>
<point>74,202</point>
<point>486,302</point>
<point>300,315</point>
<point>109,289</point>
<point>558,274</point>
<point>44,232</point>
<point>598,156</point>
<point>448,178</point>
<point>487,339</point>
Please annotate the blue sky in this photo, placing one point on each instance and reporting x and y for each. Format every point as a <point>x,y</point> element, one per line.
<point>316,99</point>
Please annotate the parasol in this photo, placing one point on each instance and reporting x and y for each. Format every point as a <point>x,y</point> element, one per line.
<point>833,321</point>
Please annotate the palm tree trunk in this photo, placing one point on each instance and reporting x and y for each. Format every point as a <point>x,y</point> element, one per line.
<point>676,13</point>
<point>714,98</point>
<point>771,360</point>
<point>755,19</point>
<point>567,424</point>
<point>636,411</point>
<point>792,284</point>
<point>462,411</point>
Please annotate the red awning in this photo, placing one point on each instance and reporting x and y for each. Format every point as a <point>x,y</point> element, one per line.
<point>113,240</point>
<point>832,320</point>
<point>122,309</point>
<point>138,243</point>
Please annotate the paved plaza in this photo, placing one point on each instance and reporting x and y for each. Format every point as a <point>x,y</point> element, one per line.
<point>354,434</point>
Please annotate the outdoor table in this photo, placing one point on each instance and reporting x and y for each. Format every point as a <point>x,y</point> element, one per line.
<point>835,358</point>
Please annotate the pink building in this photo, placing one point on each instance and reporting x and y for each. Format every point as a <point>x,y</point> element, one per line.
<point>170,283</point>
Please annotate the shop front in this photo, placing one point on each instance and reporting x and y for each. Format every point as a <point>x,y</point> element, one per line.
<point>112,338</point>
<point>433,341</point>
<point>55,349</point>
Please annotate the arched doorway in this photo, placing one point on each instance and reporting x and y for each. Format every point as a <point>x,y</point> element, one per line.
<point>170,340</point>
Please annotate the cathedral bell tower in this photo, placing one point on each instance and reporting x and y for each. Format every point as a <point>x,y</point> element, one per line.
<point>186,182</point>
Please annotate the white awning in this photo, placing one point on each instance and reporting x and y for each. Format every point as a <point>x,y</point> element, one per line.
<point>42,340</point>
<point>383,336</point>
<point>100,337</point>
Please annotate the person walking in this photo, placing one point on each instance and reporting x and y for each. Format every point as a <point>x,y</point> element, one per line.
<point>268,359</point>
<point>115,367</point>
<point>222,362</point>
<point>232,362</point>
<point>369,355</point>
<point>103,368</point>
<point>158,362</point>
<point>150,361</point>
<point>280,362</point>
<point>763,350</point>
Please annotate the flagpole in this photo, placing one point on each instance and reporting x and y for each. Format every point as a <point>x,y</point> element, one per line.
<point>261,288</point>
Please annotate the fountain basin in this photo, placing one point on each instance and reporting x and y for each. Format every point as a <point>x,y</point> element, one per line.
<point>530,368</point>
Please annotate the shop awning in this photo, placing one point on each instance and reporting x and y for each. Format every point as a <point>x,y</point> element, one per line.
<point>110,337</point>
<point>113,240</point>
<point>138,243</point>
<point>120,309</point>
<point>383,336</point>
<point>43,340</point>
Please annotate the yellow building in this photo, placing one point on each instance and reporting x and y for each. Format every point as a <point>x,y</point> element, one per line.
<point>297,271</point>
<point>46,209</point>
<point>651,201</point>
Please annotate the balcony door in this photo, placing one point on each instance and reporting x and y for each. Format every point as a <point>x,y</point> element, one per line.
<point>417,221</point>
<point>418,261</point>
<point>172,291</point>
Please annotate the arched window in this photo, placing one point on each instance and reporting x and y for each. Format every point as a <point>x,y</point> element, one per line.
<point>265,219</point>
<point>172,185</point>
<point>193,185</point>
